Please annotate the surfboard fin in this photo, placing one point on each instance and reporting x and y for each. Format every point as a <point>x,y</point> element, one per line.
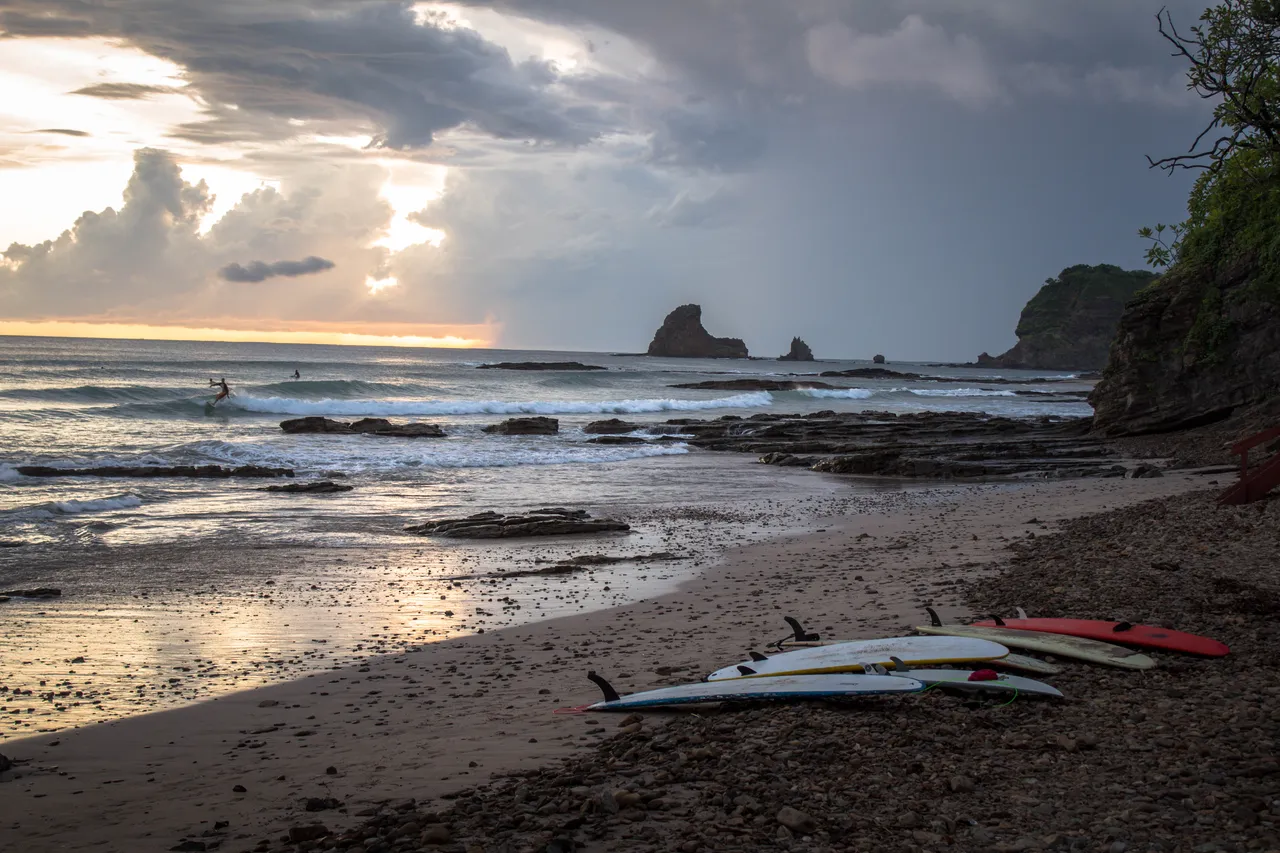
<point>899,665</point>
<point>757,657</point>
<point>746,670</point>
<point>610,695</point>
<point>800,635</point>
<point>1022,614</point>
<point>996,619</point>
<point>1123,626</point>
<point>933,615</point>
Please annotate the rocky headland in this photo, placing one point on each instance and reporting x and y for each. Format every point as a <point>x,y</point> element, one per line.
<point>682,336</point>
<point>799,352</point>
<point>1196,347</point>
<point>1070,323</point>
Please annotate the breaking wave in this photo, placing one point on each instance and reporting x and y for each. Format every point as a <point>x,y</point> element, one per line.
<point>370,408</point>
<point>838,393</point>
<point>958,392</point>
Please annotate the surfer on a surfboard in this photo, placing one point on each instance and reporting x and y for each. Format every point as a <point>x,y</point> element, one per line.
<point>296,374</point>
<point>223,393</point>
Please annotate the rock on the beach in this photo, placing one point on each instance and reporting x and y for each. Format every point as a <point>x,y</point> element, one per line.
<point>39,592</point>
<point>314,424</point>
<point>525,426</point>
<point>616,439</point>
<point>797,821</point>
<point>540,365</point>
<point>310,832</point>
<point>5,763</point>
<point>542,522</point>
<point>323,487</point>
<point>612,426</point>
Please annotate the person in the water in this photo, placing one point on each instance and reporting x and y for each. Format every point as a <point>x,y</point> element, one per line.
<point>296,374</point>
<point>223,393</point>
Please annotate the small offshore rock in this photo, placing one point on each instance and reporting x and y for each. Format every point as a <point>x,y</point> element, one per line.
<point>525,426</point>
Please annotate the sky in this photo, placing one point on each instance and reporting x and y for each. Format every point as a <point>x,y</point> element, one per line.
<point>875,176</point>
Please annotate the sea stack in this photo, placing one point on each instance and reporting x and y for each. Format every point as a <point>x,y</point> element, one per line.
<point>878,359</point>
<point>682,336</point>
<point>799,352</point>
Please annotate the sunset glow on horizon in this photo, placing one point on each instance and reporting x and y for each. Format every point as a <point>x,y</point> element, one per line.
<point>458,337</point>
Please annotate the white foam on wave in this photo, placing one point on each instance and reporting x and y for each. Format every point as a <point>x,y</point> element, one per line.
<point>957,392</point>
<point>837,393</point>
<point>290,406</point>
<point>75,507</point>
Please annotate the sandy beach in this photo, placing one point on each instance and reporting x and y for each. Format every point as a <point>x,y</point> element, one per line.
<point>240,769</point>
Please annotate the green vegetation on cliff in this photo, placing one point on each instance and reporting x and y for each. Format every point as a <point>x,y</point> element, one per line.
<point>1070,323</point>
<point>1205,339</point>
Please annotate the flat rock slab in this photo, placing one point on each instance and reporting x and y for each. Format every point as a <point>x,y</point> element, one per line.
<point>525,426</point>
<point>212,472</point>
<point>364,426</point>
<point>755,385</point>
<point>616,439</point>
<point>540,365</point>
<point>542,522</point>
<point>612,426</point>
<point>324,487</point>
<point>42,592</point>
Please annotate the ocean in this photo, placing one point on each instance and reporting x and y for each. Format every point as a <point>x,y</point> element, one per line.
<point>165,580</point>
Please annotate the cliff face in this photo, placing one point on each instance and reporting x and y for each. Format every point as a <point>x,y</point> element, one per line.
<point>1070,323</point>
<point>682,336</point>
<point>1190,350</point>
<point>799,352</point>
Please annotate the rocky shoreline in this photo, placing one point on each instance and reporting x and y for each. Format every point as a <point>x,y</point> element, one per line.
<point>1181,758</point>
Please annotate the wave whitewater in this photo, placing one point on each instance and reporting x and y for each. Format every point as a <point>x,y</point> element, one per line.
<point>371,408</point>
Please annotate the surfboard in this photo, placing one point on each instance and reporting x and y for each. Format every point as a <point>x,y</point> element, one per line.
<point>1021,663</point>
<point>1144,636</point>
<point>853,655</point>
<point>1079,648</point>
<point>791,687</point>
<point>959,678</point>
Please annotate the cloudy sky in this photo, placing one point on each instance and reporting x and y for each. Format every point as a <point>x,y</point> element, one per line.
<point>893,176</point>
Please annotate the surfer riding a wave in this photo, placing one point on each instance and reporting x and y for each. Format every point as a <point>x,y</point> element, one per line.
<point>223,393</point>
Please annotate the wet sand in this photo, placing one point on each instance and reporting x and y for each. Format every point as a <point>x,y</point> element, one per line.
<point>428,722</point>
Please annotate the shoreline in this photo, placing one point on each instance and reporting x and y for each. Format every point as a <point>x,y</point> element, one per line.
<point>410,725</point>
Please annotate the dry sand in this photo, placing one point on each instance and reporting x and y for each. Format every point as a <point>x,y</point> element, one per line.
<point>426,723</point>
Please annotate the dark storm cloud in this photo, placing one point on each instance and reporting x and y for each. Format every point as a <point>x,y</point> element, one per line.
<point>366,60</point>
<point>260,271</point>
<point>124,91</point>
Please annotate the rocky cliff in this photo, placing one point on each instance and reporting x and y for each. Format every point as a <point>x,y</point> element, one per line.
<point>1191,349</point>
<point>682,336</point>
<point>799,352</point>
<point>1070,323</point>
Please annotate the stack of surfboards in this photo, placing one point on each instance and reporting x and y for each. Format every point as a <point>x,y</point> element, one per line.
<point>816,670</point>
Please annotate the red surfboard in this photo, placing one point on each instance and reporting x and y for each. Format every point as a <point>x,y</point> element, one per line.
<point>1146,636</point>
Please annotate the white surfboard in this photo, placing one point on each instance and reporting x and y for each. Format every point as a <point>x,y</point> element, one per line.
<point>781,688</point>
<point>960,678</point>
<point>1093,651</point>
<point>851,656</point>
<point>1022,663</point>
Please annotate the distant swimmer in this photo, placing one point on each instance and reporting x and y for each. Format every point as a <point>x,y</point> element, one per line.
<point>296,374</point>
<point>223,393</point>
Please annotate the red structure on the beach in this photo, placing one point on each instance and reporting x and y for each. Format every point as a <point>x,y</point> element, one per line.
<point>1254,486</point>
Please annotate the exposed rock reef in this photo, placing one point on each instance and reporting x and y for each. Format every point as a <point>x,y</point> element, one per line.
<point>1191,350</point>
<point>682,336</point>
<point>365,426</point>
<point>881,373</point>
<point>1070,323</point>
<point>753,385</point>
<point>540,522</point>
<point>799,352</point>
<point>323,487</point>
<point>213,472</point>
<point>540,365</point>
<point>924,444</point>
<point>525,426</point>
